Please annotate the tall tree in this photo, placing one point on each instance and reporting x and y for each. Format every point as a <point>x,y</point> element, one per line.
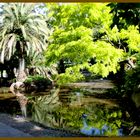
<point>21,30</point>
<point>81,34</point>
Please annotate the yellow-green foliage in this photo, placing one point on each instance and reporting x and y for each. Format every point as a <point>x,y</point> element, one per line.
<point>75,37</point>
<point>133,36</point>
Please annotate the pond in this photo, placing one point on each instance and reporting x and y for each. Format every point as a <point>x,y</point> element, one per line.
<point>63,108</point>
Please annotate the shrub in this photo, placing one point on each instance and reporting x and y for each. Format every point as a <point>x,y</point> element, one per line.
<point>36,83</point>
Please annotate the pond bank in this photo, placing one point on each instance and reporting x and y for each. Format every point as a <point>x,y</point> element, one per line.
<point>34,129</point>
<point>8,131</point>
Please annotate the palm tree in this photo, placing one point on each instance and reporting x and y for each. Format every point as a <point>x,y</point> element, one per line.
<point>36,65</point>
<point>21,30</point>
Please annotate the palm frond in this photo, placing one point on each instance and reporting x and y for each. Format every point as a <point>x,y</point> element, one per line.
<point>11,44</point>
<point>2,56</point>
<point>23,31</point>
<point>26,27</point>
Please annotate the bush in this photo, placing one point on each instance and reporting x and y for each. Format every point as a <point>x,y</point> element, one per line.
<point>36,83</point>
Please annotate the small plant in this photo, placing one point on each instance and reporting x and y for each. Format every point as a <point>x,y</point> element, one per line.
<point>37,83</point>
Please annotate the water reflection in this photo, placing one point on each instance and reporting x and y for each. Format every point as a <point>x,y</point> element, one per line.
<point>79,96</point>
<point>64,110</point>
<point>16,89</point>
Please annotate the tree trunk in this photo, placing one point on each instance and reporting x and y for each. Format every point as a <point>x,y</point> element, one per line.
<point>21,64</point>
<point>61,68</point>
<point>21,76</point>
<point>1,73</point>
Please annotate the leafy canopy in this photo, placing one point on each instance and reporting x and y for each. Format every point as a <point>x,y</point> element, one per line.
<point>82,32</point>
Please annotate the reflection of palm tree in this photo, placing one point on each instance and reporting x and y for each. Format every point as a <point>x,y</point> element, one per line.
<point>15,88</point>
<point>44,105</point>
<point>23,102</point>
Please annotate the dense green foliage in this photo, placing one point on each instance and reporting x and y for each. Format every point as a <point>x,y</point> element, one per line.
<point>81,33</point>
<point>126,17</point>
<point>132,79</point>
<point>125,14</point>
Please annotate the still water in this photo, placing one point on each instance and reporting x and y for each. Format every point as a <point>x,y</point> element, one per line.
<point>63,108</point>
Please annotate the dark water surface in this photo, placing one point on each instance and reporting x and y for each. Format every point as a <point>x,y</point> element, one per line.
<point>63,108</point>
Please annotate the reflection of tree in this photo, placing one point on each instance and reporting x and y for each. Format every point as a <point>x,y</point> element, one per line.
<point>99,117</point>
<point>23,102</point>
<point>43,106</point>
<point>48,111</point>
<point>17,89</point>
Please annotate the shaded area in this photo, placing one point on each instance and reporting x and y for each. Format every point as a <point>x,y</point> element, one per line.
<point>7,131</point>
<point>34,129</point>
<point>9,105</point>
